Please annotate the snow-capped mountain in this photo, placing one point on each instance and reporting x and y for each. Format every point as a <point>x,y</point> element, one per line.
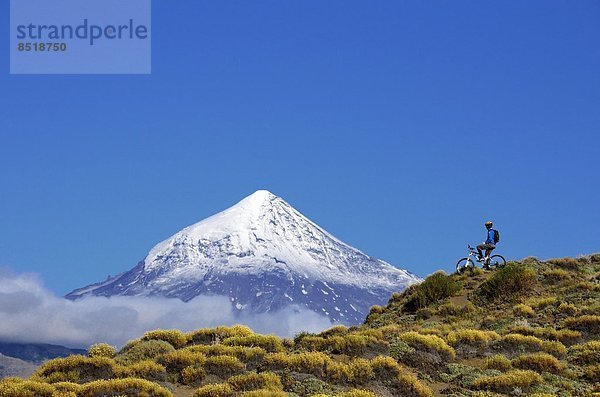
<point>264,255</point>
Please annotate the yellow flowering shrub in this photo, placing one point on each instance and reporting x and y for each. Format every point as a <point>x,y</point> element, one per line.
<point>175,361</point>
<point>223,366</point>
<point>101,350</point>
<point>139,350</point>
<point>539,362</point>
<point>215,390</point>
<point>173,336</point>
<point>270,343</point>
<point>255,381</point>
<point>129,387</point>
<point>77,369</point>
<point>509,381</point>
<point>498,362</point>
<point>429,343</point>
<point>209,336</point>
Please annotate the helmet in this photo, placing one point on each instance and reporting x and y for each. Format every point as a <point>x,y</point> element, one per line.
<point>489,224</point>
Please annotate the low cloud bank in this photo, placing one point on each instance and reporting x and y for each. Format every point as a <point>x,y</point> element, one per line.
<point>30,313</point>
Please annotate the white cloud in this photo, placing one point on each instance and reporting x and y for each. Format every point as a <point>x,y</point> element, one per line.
<point>31,313</point>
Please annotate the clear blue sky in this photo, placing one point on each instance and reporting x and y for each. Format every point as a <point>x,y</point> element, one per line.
<point>400,127</point>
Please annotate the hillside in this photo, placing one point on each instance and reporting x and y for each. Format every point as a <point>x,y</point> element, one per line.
<point>10,366</point>
<point>36,353</point>
<point>530,329</point>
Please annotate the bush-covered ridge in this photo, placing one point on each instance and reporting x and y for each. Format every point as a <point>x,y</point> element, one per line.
<point>531,329</point>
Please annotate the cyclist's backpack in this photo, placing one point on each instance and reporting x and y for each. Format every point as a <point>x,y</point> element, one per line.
<point>496,236</point>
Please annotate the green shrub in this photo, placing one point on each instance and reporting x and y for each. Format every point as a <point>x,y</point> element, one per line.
<point>215,390</point>
<point>143,350</point>
<point>539,362</point>
<point>101,350</point>
<point>307,386</point>
<point>436,287</point>
<point>270,343</point>
<point>223,366</point>
<point>130,387</point>
<point>173,336</point>
<point>509,381</point>
<point>255,381</point>
<point>399,349</point>
<point>509,282</point>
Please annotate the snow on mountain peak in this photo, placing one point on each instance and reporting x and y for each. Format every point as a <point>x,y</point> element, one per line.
<point>264,242</point>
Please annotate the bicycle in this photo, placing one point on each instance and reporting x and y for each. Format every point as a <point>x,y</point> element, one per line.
<point>492,262</point>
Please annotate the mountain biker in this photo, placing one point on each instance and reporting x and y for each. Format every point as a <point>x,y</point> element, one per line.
<point>489,244</point>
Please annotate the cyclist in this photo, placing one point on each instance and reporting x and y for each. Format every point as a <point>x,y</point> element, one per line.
<point>489,244</point>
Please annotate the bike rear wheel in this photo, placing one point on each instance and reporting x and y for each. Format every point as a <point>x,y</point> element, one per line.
<point>497,261</point>
<point>463,265</point>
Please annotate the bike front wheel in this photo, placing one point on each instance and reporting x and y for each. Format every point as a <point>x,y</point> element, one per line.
<point>464,264</point>
<point>497,261</point>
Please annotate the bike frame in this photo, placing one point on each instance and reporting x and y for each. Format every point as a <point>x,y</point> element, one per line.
<point>474,257</point>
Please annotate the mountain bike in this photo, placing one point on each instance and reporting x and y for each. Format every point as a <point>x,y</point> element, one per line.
<point>468,263</point>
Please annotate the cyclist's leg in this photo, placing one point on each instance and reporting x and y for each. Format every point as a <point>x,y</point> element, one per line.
<point>488,251</point>
<point>480,249</point>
